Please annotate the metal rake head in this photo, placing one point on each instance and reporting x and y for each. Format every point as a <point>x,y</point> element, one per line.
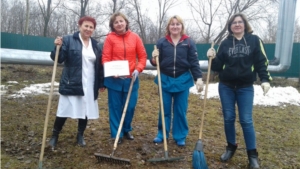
<point>111,159</point>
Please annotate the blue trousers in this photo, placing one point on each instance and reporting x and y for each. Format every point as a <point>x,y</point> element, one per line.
<point>243,97</point>
<point>178,101</point>
<point>116,103</point>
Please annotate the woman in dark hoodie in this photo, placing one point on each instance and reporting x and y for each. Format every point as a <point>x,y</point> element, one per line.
<point>239,58</point>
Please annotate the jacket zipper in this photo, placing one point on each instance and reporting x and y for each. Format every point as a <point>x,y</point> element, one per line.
<point>175,46</point>
<point>174,61</point>
<point>124,48</point>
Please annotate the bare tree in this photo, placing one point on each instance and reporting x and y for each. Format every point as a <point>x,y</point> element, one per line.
<point>16,20</point>
<point>113,6</point>
<point>137,16</point>
<point>219,14</point>
<point>46,12</point>
<point>5,24</point>
<point>36,20</point>
<point>297,32</point>
<point>269,35</point>
<point>27,17</point>
<point>209,17</point>
<point>164,6</point>
<point>205,12</point>
<point>83,4</point>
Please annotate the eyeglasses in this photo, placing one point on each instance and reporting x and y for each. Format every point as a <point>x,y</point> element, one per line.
<point>238,22</point>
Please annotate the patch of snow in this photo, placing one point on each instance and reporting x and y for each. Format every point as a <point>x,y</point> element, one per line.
<point>276,96</point>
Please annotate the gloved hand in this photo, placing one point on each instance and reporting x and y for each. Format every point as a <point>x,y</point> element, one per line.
<point>265,86</point>
<point>155,52</point>
<point>211,53</point>
<point>135,74</point>
<point>199,85</point>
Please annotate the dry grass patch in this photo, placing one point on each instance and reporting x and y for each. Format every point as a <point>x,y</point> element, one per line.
<point>22,123</point>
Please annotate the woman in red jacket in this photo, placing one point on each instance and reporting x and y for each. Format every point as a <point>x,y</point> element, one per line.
<point>122,44</point>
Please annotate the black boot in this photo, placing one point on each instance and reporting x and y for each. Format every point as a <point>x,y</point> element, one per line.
<point>230,150</point>
<point>81,127</point>
<point>253,159</point>
<point>54,138</point>
<point>58,124</point>
<point>128,136</point>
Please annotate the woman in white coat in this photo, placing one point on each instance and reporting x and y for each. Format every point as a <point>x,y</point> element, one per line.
<point>81,78</point>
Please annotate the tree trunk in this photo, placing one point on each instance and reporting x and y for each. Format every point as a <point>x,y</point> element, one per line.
<point>27,17</point>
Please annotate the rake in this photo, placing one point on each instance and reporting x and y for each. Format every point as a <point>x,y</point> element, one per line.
<point>166,158</point>
<point>198,158</point>
<point>111,158</point>
<point>48,107</point>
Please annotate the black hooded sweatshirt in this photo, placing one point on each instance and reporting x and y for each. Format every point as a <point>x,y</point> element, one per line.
<point>238,61</point>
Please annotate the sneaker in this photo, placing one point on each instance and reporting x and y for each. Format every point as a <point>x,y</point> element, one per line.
<point>157,140</point>
<point>180,143</point>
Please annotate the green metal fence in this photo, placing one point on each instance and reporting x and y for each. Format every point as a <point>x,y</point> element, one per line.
<point>26,42</point>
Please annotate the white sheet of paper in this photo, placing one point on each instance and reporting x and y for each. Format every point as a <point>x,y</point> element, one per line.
<point>116,68</point>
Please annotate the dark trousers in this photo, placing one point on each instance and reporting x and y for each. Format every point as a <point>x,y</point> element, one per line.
<point>60,121</point>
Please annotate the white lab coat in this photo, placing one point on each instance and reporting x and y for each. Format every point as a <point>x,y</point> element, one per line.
<point>79,107</point>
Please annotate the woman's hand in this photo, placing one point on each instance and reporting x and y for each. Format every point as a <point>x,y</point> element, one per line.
<point>102,89</point>
<point>58,41</point>
<point>199,85</point>
<point>155,54</point>
<point>211,53</point>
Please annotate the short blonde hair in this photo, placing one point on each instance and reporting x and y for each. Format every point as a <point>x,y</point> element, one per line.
<point>248,28</point>
<point>179,19</point>
<point>113,18</point>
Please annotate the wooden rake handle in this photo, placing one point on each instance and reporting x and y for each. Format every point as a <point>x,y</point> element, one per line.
<point>49,106</point>
<point>123,115</point>
<point>161,103</point>
<point>205,94</point>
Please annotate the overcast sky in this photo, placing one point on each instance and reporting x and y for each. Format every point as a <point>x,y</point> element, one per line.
<point>184,11</point>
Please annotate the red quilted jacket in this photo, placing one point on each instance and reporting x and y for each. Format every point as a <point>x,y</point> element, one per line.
<point>128,46</point>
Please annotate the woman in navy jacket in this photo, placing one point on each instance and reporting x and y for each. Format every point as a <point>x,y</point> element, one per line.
<point>81,78</point>
<point>179,66</point>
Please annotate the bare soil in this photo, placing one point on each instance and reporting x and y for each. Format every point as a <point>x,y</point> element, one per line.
<point>23,119</point>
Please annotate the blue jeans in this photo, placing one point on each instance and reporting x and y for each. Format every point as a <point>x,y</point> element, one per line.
<point>243,97</point>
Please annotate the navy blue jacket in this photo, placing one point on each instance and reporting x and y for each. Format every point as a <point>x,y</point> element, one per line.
<point>238,61</point>
<point>176,60</point>
<point>71,55</point>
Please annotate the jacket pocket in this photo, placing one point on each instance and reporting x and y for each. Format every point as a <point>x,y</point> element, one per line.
<point>74,53</point>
